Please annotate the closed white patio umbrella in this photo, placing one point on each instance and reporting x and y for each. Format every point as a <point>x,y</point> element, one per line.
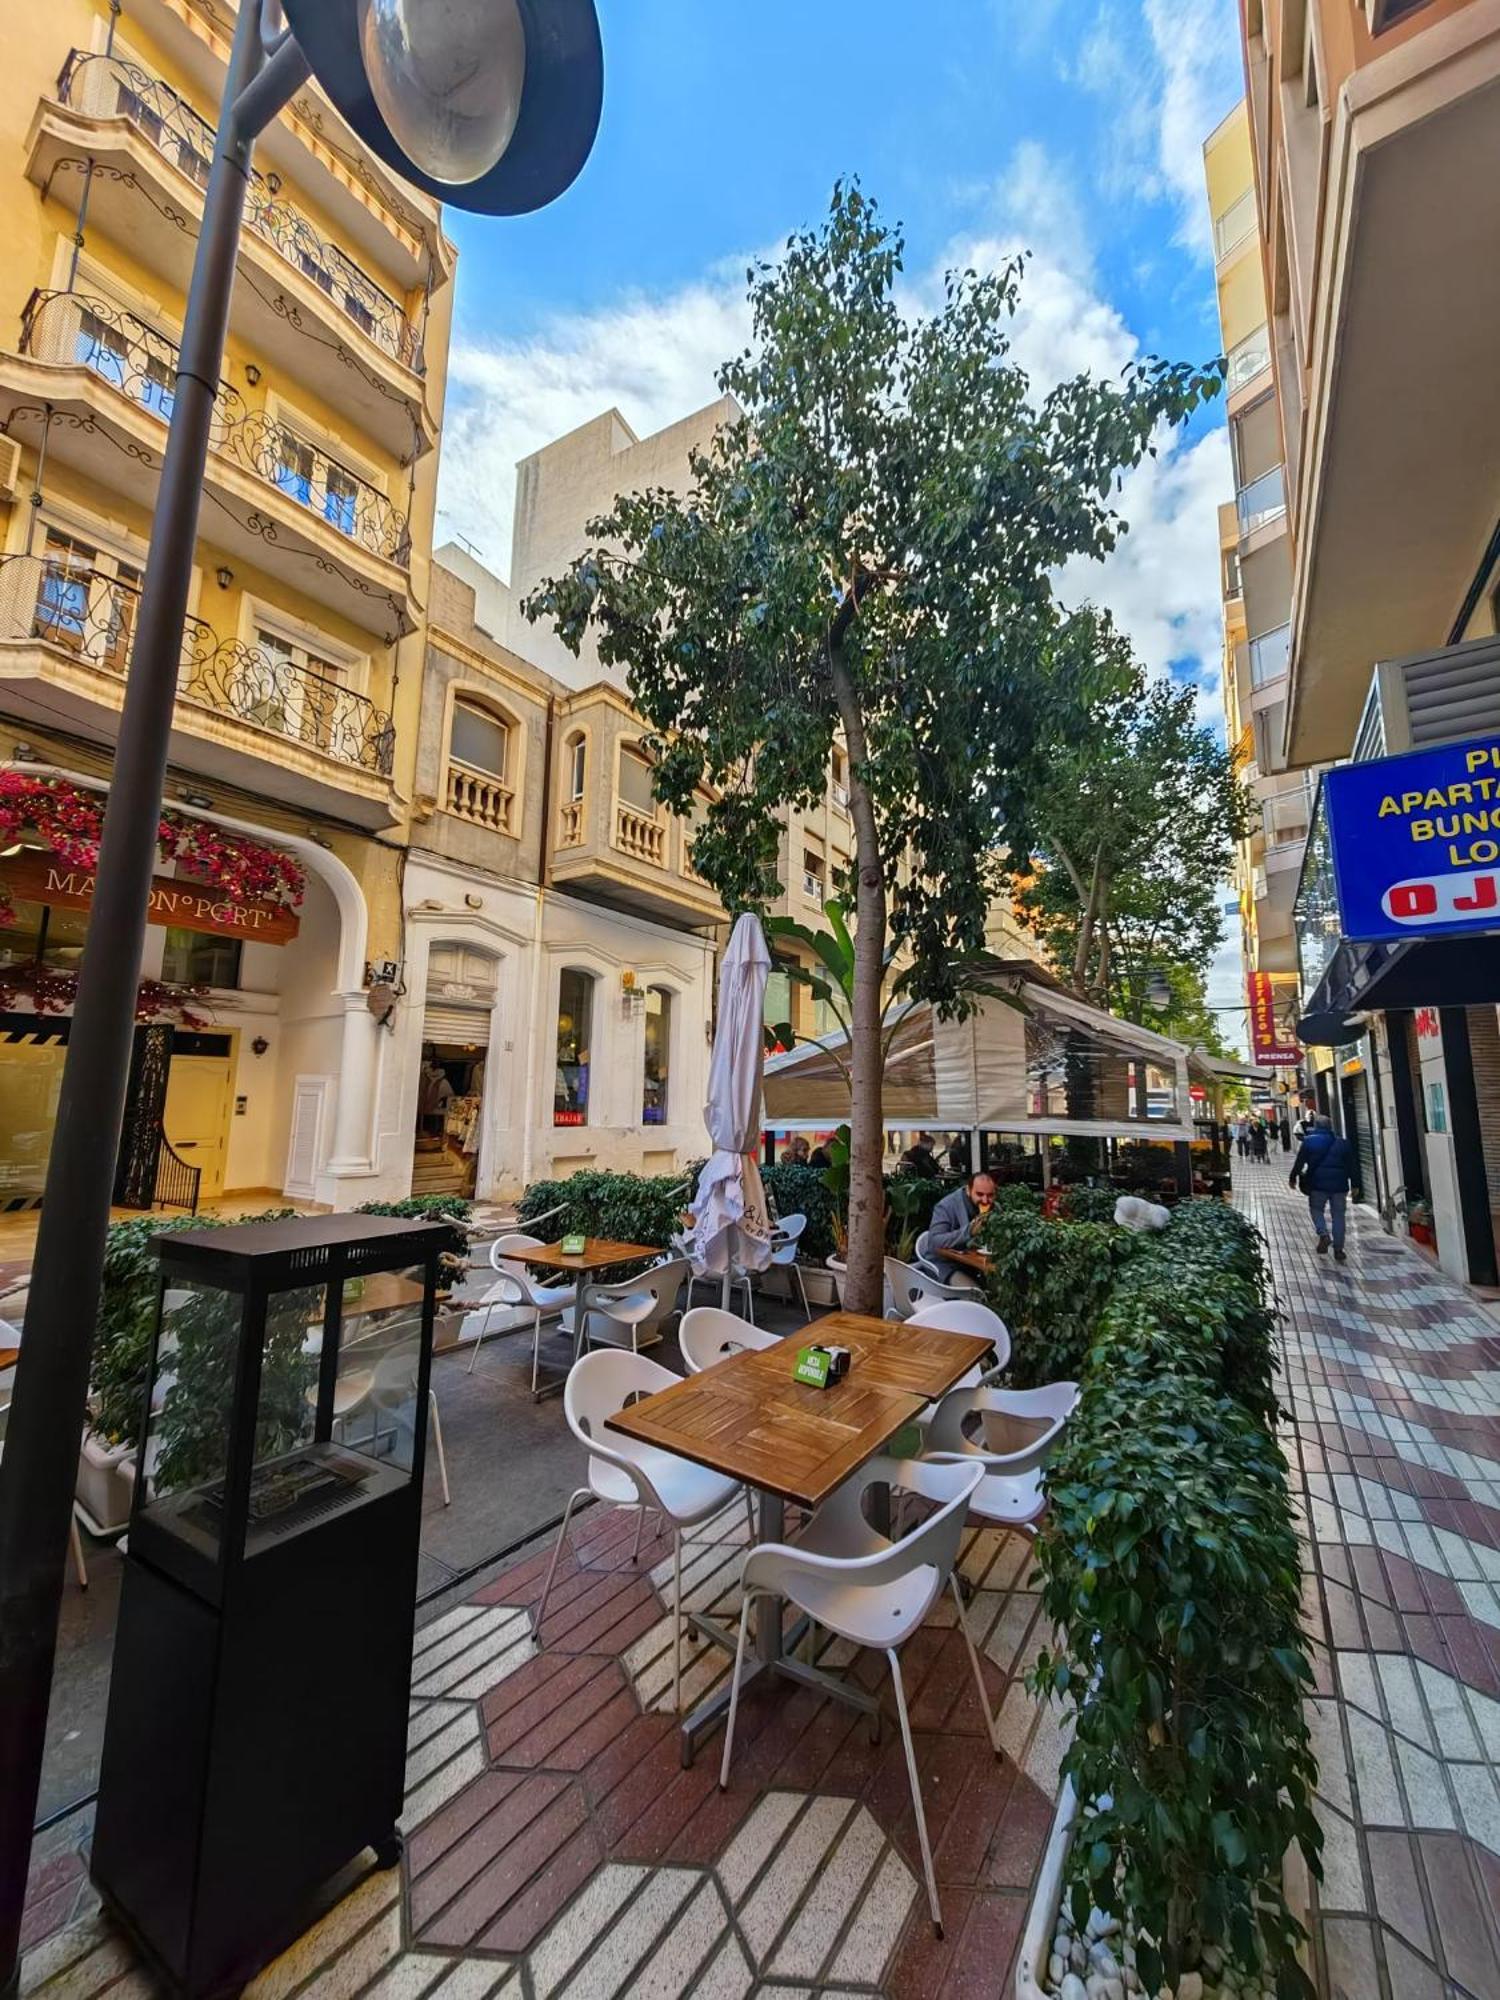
<point>730,1225</point>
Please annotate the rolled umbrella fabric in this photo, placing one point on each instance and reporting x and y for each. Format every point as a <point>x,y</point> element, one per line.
<point>731,1227</point>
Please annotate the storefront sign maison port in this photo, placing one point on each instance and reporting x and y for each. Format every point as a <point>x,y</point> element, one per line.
<point>1416,841</point>
<point>181,903</point>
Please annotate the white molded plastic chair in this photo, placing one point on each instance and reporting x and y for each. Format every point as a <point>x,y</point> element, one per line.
<point>543,1300</point>
<point>784,1241</point>
<point>637,1308</point>
<point>1010,1493</point>
<point>626,1473</point>
<point>870,1591</point>
<point>708,1334</point>
<point>393,1393</point>
<point>950,1275</point>
<point>911,1289</point>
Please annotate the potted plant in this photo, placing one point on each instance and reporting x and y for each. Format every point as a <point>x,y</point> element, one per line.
<point>1419,1222</point>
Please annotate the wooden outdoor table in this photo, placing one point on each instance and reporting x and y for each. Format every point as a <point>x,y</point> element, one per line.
<point>746,1418</point>
<point>977,1261</point>
<point>9,1356</point>
<point>598,1254</point>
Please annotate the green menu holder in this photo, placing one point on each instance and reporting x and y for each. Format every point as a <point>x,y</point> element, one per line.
<point>574,1246</point>
<point>812,1367</point>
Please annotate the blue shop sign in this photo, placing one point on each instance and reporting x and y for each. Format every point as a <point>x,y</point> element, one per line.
<point>1416,841</point>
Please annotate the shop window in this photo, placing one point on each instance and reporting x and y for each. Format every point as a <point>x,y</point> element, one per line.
<point>575,1022</point>
<point>202,958</point>
<point>22,938</point>
<point>658,1056</point>
<point>480,739</point>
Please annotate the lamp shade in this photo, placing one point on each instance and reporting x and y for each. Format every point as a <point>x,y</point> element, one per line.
<point>490,105</point>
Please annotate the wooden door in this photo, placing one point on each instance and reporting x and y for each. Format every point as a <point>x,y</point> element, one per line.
<point>196,1116</point>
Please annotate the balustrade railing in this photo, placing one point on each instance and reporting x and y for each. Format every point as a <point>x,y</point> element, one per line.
<point>91,613</point>
<point>123,350</point>
<point>639,834</point>
<point>103,86</point>
<point>570,823</point>
<point>479,796</point>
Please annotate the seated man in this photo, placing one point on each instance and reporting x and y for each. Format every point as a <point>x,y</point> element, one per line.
<point>958,1215</point>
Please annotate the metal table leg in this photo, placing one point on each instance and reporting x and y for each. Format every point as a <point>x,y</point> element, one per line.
<point>771,1654</point>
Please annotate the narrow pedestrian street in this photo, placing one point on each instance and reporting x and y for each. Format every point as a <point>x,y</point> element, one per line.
<point>1393,1379</point>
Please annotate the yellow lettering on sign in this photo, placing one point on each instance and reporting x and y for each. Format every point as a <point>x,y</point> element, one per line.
<point>1388,806</point>
<point>1423,829</point>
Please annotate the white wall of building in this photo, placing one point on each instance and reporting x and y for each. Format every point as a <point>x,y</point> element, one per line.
<point>534,936</point>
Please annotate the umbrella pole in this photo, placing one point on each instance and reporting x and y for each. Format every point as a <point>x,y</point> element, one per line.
<point>724,1293</point>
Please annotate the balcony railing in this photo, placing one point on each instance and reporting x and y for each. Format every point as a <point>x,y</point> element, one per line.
<point>1234,225</point>
<point>102,86</point>
<point>1248,358</point>
<point>92,614</point>
<point>1269,654</point>
<point>640,834</point>
<point>570,823</point>
<point>120,348</point>
<point>1261,501</point>
<point>479,796</point>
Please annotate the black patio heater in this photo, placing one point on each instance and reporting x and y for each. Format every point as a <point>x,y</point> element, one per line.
<point>256,1733</point>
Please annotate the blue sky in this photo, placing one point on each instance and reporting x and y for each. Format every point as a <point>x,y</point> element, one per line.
<point>1073,128</point>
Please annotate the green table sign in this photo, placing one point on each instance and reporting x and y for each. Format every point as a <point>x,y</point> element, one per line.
<point>574,1246</point>
<point>812,1367</point>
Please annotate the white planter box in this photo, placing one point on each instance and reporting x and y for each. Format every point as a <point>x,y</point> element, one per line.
<point>105,1484</point>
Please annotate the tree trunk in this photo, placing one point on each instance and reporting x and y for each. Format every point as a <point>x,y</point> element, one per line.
<point>864,1283</point>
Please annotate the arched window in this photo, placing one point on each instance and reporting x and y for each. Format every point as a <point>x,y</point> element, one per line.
<point>657,1064</point>
<point>575,1027</point>
<point>479,785</point>
<point>575,773</point>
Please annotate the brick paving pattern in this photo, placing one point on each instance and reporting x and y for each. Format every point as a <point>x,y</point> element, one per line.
<point>556,1847</point>
<point>1393,1379</point>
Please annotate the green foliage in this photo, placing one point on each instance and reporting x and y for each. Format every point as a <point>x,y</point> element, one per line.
<point>1170,1567</point>
<point>193,1428</point>
<point>836,1180</point>
<point>804,1191</point>
<point>910,1199</point>
<point>1017,1198</point>
<point>1129,842</point>
<point>868,552</point>
<point>127,1318</point>
<point>1089,1204</point>
<point>629,1208</point>
<point>453,1259</point>
<point>1049,1280</point>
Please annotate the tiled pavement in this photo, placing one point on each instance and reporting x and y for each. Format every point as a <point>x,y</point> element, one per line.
<point>1393,1378</point>
<point>555,1846</point>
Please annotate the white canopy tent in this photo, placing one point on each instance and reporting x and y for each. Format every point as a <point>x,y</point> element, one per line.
<point>1030,1059</point>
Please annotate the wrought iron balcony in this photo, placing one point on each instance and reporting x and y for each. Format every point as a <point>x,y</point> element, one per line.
<point>91,613</point>
<point>120,348</point>
<point>101,86</point>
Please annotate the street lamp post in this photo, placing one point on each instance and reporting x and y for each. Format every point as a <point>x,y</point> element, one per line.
<point>491,105</point>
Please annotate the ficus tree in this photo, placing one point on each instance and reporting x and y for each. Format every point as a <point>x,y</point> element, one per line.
<point>1131,843</point>
<point>866,554</point>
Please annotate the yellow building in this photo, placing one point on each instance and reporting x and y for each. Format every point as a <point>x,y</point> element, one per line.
<point>302,661</point>
<point>1255,576</point>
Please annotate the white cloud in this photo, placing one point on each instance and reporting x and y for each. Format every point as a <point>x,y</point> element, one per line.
<point>653,358</point>
<point>1196,44</point>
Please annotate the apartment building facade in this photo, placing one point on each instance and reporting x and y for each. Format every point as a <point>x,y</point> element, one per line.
<point>1255,560</point>
<point>1375,142</point>
<point>294,732</point>
<point>559,949</point>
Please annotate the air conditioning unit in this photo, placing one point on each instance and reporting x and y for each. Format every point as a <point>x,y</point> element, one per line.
<point>10,468</point>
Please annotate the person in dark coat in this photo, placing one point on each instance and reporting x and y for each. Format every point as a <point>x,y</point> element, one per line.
<point>1323,1170</point>
<point>1258,1138</point>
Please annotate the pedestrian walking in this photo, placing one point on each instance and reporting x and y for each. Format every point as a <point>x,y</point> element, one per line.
<point>1258,1140</point>
<point>1323,1170</point>
<point>1241,1134</point>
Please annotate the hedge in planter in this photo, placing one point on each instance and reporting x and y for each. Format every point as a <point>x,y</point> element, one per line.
<point>1049,1280</point>
<point>1170,1568</point>
<point>630,1208</point>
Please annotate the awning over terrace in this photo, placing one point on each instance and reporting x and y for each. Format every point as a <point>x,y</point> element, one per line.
<point>1030,1058</point>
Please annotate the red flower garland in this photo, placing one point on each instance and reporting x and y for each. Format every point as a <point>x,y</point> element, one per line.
<point>70,821</point>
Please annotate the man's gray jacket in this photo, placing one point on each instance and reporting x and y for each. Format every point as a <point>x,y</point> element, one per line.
<point>952,1219</point>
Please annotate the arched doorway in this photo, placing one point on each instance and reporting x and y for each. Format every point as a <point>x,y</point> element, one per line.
<point>460,1000</point>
